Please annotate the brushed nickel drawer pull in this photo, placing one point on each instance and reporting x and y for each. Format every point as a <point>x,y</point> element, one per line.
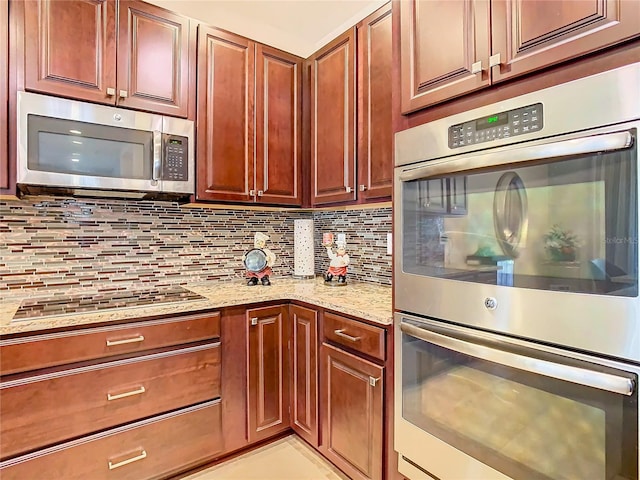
<point>373,381</point>
<point>341,333</point>
<point>137,391</point>
<point>137,338</point>
<point>142,456</point>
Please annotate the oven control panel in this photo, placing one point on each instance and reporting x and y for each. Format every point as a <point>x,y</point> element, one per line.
<point>500,125</point>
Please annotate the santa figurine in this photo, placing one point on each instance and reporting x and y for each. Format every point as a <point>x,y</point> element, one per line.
<point>269,258</point>
<point>338,264</point>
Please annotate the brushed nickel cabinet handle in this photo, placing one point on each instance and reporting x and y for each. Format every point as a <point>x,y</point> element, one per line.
<point>138,391</point>
<point>373,381</point>
<point>341,333</point>
<point>252,193</point>
<point>111,91</point>
<point>362,188</point>
<point>136,339</point>
<point>495,60</point>
<point>348,189</point>
<point>476,67</point>
<point>260,193</point>
<point>141,456</point>
<point>254,321</point>
<point>123,94</point>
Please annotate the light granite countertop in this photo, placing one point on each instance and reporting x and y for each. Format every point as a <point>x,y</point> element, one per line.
<point>363,300</point>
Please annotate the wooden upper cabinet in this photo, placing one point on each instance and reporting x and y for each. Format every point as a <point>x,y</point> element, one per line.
<point>4,94</point>
<point>225,157</point>
<point>70,48</point>
<point>278,126</point>
<point>375,128</point>
<point>533,34</point>
<point>333,121</point>
<point>155,51</point>
<point>445,50</point>
<point>268,363</point>
<point>455,47</point>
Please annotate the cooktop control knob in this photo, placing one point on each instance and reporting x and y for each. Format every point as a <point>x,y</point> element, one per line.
<point>491,303</point>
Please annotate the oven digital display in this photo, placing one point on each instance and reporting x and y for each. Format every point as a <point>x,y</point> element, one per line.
<point>492,121</point>
<point>175,141</point>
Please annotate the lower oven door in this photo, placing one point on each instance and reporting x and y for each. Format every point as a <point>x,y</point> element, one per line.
<point>474,405</point>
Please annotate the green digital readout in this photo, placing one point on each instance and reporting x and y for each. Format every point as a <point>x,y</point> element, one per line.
<point>175,141</point>
<point>492,121</point>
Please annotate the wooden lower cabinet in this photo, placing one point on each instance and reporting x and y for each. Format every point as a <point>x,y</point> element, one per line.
<point>49,350</point>
<point>153,448</point>
<point>44,409</point>
<point>304,373</point>
<point>352,413</point>
<point>268,371</point>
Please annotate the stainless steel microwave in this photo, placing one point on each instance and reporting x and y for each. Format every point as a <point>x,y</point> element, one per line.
<point>78,146</point>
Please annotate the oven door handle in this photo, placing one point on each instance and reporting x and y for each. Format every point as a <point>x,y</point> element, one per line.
<point>580,376</point>
<point>545,151</point>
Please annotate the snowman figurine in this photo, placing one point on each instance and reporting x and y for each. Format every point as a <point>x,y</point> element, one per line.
<point>338,264</point>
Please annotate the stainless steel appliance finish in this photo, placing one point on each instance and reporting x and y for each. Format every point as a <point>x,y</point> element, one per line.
<point>481,405</point>
<point>124,150</point>
<point>516,260</point>
<point>586,119</point>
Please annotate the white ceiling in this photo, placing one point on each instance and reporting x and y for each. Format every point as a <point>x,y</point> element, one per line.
<point>297,26</point>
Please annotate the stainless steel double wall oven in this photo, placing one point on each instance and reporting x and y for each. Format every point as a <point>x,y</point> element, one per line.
<point>516,287</point>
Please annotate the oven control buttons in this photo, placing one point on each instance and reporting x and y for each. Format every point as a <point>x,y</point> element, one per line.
<point>518,121</point>
<point>491,303</point>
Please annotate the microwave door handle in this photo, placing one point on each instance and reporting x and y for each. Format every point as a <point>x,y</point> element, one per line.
<point>157,155</point>
<point>544,151</point>
<point>580,376</point>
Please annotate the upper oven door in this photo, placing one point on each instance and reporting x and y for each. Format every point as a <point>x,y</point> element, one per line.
<point>537,239</point>
<point>66,143</point>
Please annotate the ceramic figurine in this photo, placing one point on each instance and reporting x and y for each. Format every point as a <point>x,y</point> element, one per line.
<point>338,264</point>
<point>258,261</point>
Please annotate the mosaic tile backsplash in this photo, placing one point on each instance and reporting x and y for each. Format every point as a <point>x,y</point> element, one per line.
<point>55,244</point>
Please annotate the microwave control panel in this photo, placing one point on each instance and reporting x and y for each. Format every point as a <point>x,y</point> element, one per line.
<point>175,164</point>
<point>518,121</point>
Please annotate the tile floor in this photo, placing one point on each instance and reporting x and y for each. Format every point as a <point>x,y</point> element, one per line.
<point>286,459</point>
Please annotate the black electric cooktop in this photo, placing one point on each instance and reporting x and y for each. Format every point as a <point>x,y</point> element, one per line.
<point>33,308</point>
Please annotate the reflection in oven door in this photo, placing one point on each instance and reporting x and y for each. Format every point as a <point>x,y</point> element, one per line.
<point>528,413</point>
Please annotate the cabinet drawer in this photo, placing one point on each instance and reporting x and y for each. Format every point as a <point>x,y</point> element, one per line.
<point>355,335</point>
<point>42,410</point>
<point>30,353</point>
<point>152,448</point>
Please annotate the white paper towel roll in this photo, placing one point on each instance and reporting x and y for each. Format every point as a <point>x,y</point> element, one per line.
<point>303,252</point>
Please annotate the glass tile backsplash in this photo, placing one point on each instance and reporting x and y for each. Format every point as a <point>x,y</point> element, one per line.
<point>70,243</point>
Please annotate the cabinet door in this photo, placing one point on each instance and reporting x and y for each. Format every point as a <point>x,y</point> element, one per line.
<point>304,388</point>
<point>442,44</point>
<point>433,195</point>
<point>332,121</point>
<point>70,48</point>
<point>154,64</point>
<point>4,94</point>
<point>278,126</point>
<point>457,195</point>
<point>225,158</point>
<point>351,410</point>
<point>532,34</point>
<point>375,129</point>
<point>268,385</point>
